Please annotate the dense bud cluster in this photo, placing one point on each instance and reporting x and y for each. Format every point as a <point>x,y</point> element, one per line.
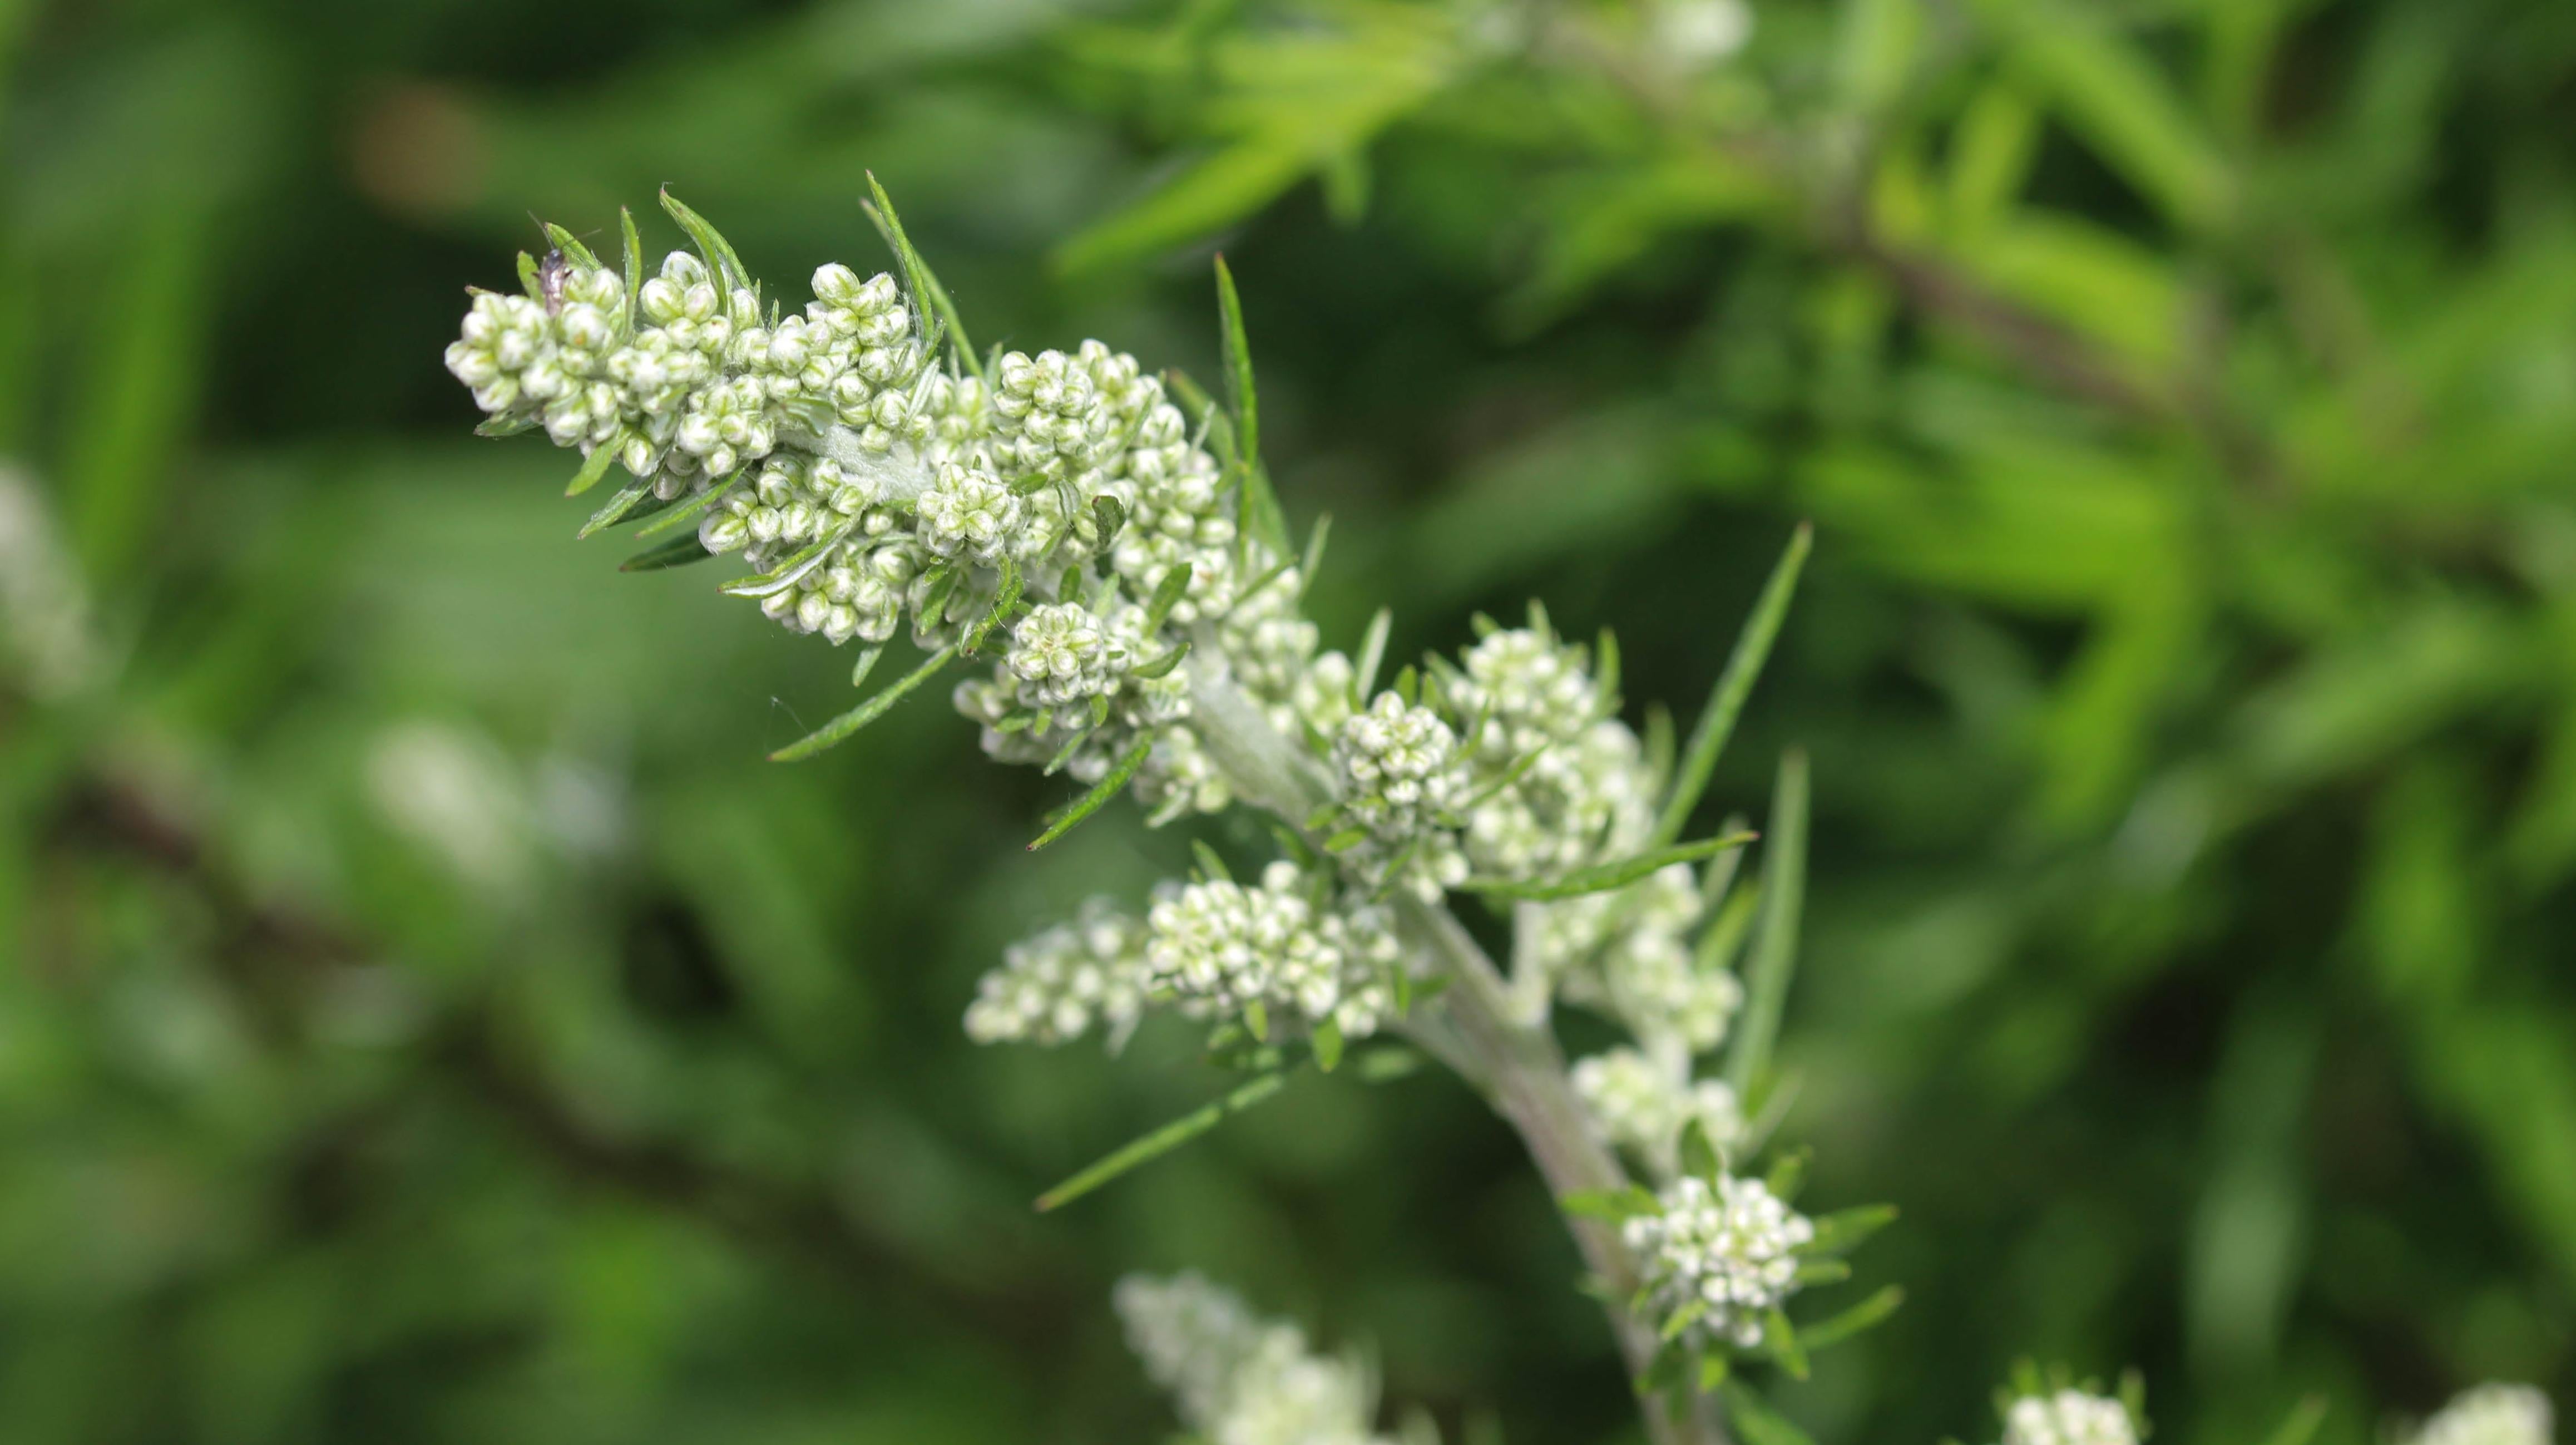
<point>1134,607</point>
<point>1727,1249</point>
<point>1225,950</point>
<point>2490,1415</point>
<point>1238,1379</point>
<point>1642,1103</point>
<point>2068,1417</point>
<point>1053,988</point>
<point>869,482</point>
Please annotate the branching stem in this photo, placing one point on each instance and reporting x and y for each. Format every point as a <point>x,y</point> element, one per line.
<point>1516,1064</point>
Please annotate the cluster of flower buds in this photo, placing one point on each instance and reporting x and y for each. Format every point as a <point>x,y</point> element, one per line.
<point>1720,1255</point>
<point>2491,1415</point>
<point>1273,952</point>
<point>1054,987</point>
<point>1641,1102</point>
<point>2068,1416</point>
<point>1239,1379</point>
<point>1063,510</point>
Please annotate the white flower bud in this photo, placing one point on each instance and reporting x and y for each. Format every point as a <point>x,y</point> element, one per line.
<point>2068,1417</point>
<point>1729,1247</point>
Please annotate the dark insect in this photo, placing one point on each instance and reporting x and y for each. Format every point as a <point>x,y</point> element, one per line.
<point>551,273</point>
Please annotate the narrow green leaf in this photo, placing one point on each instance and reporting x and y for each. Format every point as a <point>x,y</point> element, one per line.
<point>1756,1421</point>
<point>1780,1342</point>
<point>1724,934</point>
<point>528,277</point>
<point>1842,1231</point>
<point>691,509</point>
<point>866,664</point>
<point>1345,840</point>
<point>1822,1270</point>
<point>1717,720</point>
<point>614,510</point>
<point>919,278</point>
<point>2301,1424</point>
<point>1167,595</point>
<point>839,729</point>
<point>595,466</point>
<point>1385,1064</point>
<point>1712,1372</point>
<point>1111,517</point>
<point>1029,721</point>
<point>1241,397</point>
<point>571,246</point>
<point>1005,597</point>
<point>2114,95</point>
<point>677,552</point>
<point>505,425</point>
<point>1372,653</point>
<point>1256,1017</point>
<point>1163,665</point>
<point>1699,1156</point>
<point>1682,1319</point>
<point>1603,877</point>
<point>1605,672</point>
<point>712,246</point>
<point>1101,792</point>
<point>1788,1174</point>
<point>1313,560</point>
<point>1209,863</point>
<point>1869,1313</point>
<point>1775,928</point>
<point>1408,685</point>
<point>1327,1043</point>
<point>786,574</point>
<point>1519,769</point>
<point>634,260</point>
<point>1164,1140</point>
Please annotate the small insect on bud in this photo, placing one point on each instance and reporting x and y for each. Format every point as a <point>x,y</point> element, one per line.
<point>552,272</point>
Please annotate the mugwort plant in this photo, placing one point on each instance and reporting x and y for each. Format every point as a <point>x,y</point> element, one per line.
<point>1098,547</point>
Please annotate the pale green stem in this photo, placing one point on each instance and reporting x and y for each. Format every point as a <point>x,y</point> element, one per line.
<point>1517,1064</point>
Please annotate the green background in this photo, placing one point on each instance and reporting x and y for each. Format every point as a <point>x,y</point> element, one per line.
<point>426,1018</point>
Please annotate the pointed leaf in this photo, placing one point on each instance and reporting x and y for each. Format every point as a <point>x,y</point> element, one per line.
<point>1101,792</point>
<point>1327,1043</point>
<point>1372,653</point>
<point>1775,929</point>
<point>2301,1425</point>
<point>839,729</point>
<point>595,466</point>
<point>1602,878</point>
<point>634,260</point>
<point>712,246</point>
<point>1780,1342</point>
<point>918,277</point>
<point>1756,1421</point>
<point>1725,701</point>
<point>690,509</point>
<point>1164,1140</point>
<point>614,510</point>
<point>1867,1314</point>
<point>1167,595</point>
<point>1842,1231</point>
<point>677,552</point>
<point>571,246</point>
<point>1241,397</point>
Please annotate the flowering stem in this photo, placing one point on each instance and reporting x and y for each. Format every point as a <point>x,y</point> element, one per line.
<point>1517,1065</point>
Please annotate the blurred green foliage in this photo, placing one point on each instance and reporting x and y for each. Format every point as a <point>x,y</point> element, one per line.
<point>428,1019</point>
